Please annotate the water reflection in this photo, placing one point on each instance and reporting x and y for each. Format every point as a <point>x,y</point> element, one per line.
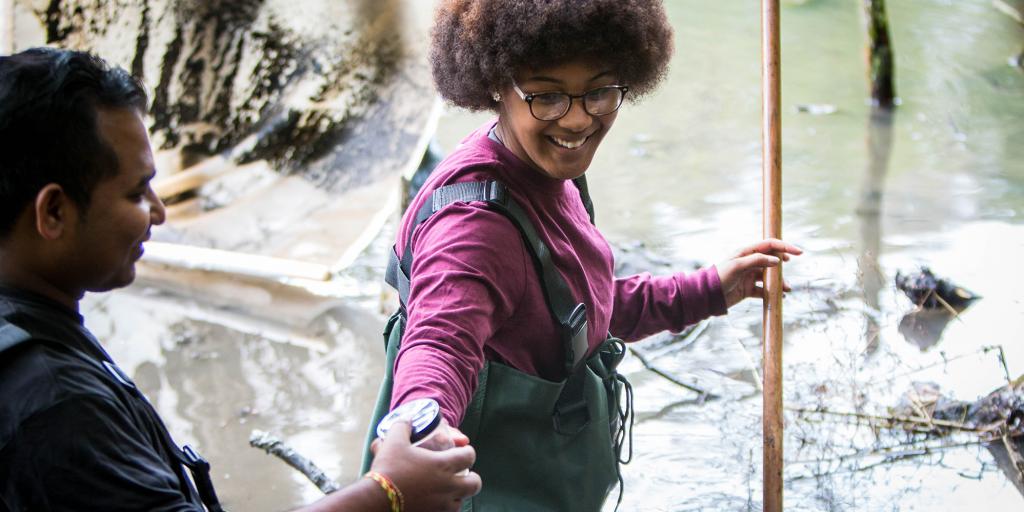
<point>869,211</point>
<point>924,327</point>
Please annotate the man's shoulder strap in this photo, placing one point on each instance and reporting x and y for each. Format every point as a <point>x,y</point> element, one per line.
<point>11,335</point>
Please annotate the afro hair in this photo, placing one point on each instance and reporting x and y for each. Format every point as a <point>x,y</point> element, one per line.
<point>477,45</point>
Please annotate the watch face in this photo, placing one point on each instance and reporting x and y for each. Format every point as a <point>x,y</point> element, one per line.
<point>423,415</point>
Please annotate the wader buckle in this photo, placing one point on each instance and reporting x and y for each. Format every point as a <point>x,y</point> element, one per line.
<point>574,332</point>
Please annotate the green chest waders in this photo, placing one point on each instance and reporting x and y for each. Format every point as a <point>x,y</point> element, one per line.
<point>541,445</point>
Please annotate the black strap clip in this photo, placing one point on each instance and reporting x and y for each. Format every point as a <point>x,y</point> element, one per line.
<point>200,470</point>
<point>574,332</point>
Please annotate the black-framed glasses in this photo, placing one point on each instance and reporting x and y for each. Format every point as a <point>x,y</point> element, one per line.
<point>549,106</point>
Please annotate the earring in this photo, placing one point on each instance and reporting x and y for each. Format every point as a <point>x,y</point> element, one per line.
<point>495,96</point>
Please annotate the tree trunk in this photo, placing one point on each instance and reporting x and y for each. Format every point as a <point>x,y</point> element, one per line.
<point>879,55</point>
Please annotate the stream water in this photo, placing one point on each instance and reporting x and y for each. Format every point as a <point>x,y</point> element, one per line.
<point>938,183</point>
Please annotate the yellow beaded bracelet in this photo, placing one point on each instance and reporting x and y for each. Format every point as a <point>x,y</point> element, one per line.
<point>394,495</point>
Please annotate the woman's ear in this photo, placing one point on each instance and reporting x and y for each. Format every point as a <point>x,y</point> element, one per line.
<point>53,210</point>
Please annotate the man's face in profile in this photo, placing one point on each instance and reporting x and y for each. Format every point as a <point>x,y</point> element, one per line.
<point>108,239</point>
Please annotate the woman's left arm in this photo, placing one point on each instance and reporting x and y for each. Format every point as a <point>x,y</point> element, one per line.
<point>645,304</point>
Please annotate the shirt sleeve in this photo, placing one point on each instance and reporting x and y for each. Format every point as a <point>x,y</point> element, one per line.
<point>468,274</point>
<point>84,453</point>
<point>645,304</point>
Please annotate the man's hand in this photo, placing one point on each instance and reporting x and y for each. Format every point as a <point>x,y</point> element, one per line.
<point>429,480</point>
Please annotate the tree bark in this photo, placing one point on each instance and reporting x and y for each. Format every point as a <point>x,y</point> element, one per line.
<point>879,55</point>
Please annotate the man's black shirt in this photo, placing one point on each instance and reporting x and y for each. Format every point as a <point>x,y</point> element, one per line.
<point>75,434</point>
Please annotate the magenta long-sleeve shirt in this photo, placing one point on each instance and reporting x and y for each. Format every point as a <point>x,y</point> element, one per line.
<point>475,294</point>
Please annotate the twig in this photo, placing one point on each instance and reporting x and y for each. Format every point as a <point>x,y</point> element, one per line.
<point>890,419</point>
<point>660,373</point>
<point>888,460</point>
<point>946,305</point>
<point>1011,452</point>
<point>945,360</point>
<point>901,449</point>
<point>1008,10</point>
<point>274,446</point>
<point>921,409</point>
<point>1002,361</point>
<point>753,365</point>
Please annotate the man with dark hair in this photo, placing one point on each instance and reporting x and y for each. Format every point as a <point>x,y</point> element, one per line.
<point>76,207</point>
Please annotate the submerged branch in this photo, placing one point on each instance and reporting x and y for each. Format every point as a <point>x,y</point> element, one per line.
<point>899,451</point>
<point>892,420</point>
<point>889,458</point>
<point>274,446</point>
<point>647,364</point>
<point>945,360</point>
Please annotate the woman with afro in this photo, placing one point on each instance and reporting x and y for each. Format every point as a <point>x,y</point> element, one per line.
<point>511,317</point>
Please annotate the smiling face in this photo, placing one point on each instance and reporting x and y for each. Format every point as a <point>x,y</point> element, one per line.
<point>106,241</point>
<point>562,148</point>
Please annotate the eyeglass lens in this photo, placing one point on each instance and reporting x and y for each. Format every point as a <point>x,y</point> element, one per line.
<point>598,102</point>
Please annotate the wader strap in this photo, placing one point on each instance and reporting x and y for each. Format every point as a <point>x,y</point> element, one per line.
<point>570,315</point>
<point>11,335</point>
<point>581,184</point>
<point>200,470</point>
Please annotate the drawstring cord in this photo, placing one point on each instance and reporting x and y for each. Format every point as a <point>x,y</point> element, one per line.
<point>625,416</point>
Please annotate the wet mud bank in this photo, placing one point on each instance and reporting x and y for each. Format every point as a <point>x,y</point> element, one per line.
<point>264,79</point>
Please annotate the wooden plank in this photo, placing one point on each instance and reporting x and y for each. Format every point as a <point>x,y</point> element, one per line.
<point>236,263</point>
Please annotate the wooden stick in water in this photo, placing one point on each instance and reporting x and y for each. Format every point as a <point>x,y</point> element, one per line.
<point>276,447</point>
<point>771,139</point>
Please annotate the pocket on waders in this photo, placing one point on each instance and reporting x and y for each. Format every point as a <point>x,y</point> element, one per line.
<point>525,461</point>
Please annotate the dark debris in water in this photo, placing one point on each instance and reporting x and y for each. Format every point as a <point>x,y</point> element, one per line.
<point>997,419</point>
<point>931,292</point>
<point>938,302</point>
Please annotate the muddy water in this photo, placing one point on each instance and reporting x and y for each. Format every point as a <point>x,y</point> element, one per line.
<point>939,183</point>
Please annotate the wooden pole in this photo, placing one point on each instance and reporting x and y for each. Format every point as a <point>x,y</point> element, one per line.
<point>771,139</point>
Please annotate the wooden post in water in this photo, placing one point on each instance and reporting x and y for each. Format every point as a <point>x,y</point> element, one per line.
<point>880,59</point>
<point>771,154</point>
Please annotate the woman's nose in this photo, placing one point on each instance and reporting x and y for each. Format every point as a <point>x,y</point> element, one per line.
<point>576,119</point>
